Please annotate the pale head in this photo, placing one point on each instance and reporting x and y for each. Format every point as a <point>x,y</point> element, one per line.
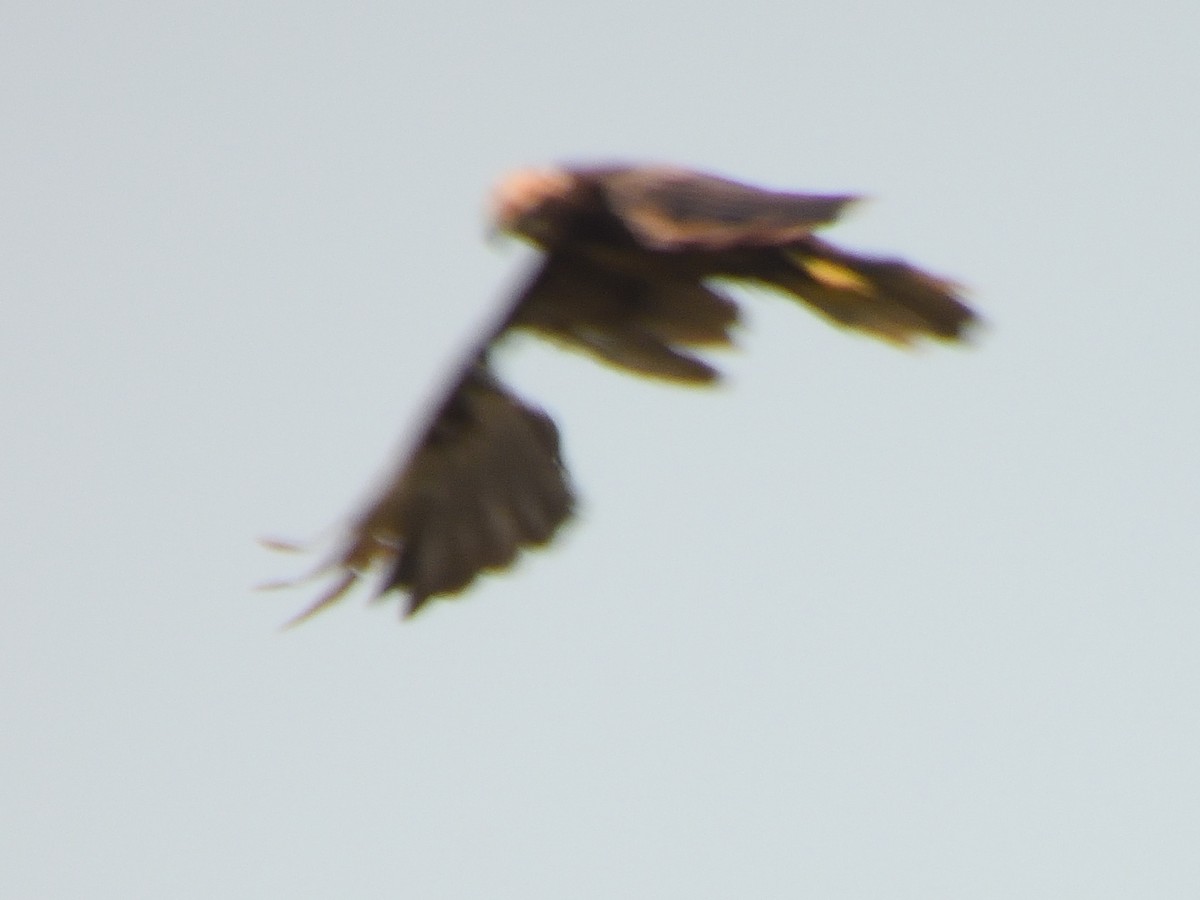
<point>524,202</point>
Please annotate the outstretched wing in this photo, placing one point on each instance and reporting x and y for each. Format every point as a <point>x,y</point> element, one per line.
<point>486,480</point>
<point>674,209</point>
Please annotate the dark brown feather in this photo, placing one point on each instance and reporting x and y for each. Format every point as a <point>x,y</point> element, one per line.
<point>651,226</point>
<point>886,298</point>
<point>629,257</point>
<point>485,481</point>
<point>637,322</point>
<point>674,209</point>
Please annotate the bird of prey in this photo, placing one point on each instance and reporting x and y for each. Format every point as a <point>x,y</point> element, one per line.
<point>629,255</point>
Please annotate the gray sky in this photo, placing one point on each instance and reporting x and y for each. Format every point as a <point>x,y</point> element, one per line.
<point>860,623</point>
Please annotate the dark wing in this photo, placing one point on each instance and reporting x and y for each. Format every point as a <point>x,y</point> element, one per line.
<point>486,480</point>
<point>628,310</point>
<point>673,209</point>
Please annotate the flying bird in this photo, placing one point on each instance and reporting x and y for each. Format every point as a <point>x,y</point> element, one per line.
<point>629,255</point>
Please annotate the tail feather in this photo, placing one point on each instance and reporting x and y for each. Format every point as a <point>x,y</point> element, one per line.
<point>886,298</point>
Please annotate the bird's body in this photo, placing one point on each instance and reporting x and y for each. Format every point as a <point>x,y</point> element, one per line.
<point>630,254</point>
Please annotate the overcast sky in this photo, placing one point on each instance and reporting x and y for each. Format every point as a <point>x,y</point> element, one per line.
<point>858,624</point>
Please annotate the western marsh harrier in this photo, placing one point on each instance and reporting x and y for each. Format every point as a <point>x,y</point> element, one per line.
<point>629,258</point>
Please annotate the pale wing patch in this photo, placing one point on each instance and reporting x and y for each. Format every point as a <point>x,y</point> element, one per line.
<point>835,275</point>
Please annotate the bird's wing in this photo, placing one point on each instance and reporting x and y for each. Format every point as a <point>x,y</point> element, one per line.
<point>628,311</point>
<point>486,479</point>
<point>672,209</point>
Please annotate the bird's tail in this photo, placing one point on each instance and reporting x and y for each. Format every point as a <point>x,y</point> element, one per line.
<point>887,298</point>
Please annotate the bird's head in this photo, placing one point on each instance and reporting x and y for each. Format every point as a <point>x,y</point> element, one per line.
<point>532,203</point>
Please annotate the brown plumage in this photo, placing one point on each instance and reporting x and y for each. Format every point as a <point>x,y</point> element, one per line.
<point>626,277</point>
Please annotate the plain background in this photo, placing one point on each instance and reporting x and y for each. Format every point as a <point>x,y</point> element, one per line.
<point>860,623</point>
